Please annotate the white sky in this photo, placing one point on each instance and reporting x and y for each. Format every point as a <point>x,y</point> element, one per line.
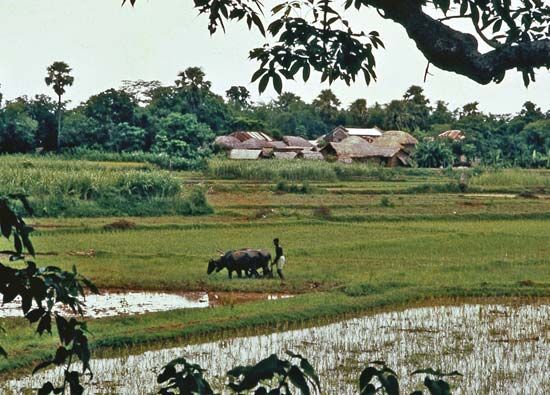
<point>105,44</point>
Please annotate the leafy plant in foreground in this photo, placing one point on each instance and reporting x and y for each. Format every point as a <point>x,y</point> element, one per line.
<point>46,287</point>
<point>271,375</point>
<point>388,383</point>
<point>182,377</point>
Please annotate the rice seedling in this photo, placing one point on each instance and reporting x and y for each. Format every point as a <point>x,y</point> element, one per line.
<point>495,347</point>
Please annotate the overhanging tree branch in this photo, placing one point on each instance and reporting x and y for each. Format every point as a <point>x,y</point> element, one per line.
<point>457,51</point>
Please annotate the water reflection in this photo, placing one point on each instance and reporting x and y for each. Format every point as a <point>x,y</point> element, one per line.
<point>496,347</point>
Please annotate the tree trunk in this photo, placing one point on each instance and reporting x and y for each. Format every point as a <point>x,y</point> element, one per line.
<point>58,137</point>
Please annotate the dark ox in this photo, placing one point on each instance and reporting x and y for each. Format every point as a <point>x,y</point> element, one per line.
<point>245,260</point>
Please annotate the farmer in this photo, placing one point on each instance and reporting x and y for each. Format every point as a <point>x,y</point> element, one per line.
<point>279,260</point>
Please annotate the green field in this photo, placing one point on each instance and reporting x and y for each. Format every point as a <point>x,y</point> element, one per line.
<point>353,245</point>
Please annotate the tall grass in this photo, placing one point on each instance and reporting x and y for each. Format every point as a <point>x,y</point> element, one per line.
<point>59,187</point>
<point>161,160</point>
<point>82,180</point>
<point>513,178</point>
<point>298,170</point>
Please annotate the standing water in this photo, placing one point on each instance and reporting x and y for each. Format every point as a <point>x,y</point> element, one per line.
<point>495,347</point>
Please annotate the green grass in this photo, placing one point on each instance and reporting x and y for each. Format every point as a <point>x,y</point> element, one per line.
<point>513,178</point>
<point>58,187</point>
<point>299,170</point>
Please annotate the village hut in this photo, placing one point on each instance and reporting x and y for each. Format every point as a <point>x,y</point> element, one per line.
<point>295,141</point>
<point>357,149</point>
<point>340,133</point>
<point>245,154</point>
<point>397,138</point>
<point>455,135</point>
<point>255,144</point>
<point>277,144</point>
<point>243,136</point>
<point>284,155</point>
<point>227,143</point>
<point>310,155</point>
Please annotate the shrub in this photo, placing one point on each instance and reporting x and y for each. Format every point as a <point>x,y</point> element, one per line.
<point>386,202</point>
<point>283,187</point>
<point>121,224</point>
<point>433,153</point>
<point>322,212</point>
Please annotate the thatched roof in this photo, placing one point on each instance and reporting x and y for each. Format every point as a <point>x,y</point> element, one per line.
<point>255,144</point>
<point>243,136</point>
<point>227,142</point>
<point>245,154</point>
<point>395,138</point>
<point>285,155</point>
<point>295,141</point>
<point>311,155</point>
<point>357,147</point>
<point>278,144</point>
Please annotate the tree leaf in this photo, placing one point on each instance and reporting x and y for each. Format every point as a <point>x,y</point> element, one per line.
<point>277,83</point>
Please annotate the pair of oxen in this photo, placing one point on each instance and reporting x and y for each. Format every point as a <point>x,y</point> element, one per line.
<point>245,261</point>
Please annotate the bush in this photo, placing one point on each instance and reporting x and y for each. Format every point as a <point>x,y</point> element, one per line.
<point>196,204</point>
<point>386,202</point>
<point>283,187</point>
<point>322,212</point>
<point>433,153</point>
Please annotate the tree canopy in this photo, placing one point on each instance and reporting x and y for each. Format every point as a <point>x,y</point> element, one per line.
<point>306,35</point>
<point>182,120</point>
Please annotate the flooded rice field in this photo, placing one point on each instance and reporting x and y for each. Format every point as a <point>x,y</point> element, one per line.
<point>500,349</point>
<point>111,304</point>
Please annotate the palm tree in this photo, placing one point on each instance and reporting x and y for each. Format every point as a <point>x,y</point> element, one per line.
<point>327,104</point>
<point>194,78</point>
<point>358,112</point>
<point>59,77</point>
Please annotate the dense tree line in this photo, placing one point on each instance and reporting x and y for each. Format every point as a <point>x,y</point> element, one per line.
<point>182,120</point>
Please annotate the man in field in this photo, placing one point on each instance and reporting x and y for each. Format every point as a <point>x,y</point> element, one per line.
<point>279,260</point>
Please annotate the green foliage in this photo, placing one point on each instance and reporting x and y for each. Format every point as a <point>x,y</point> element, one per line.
<point>184,378</point>
<point>379,373</point>
<point>196,204</point>
<point>386,202</point>
<point>182,136</point>
<point>17,129</point>
<point>433,153</point>
<point>83,189</point>
<point>275,376</point>
<point>124,137</point>
<point>46,286</point>
<point>283,187</point>
<point>159,159</point>
<point>304,171</point>
<point>82,131</point>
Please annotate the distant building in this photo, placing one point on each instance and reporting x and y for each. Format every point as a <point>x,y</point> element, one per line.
<point>340,133</point>
<point>393,149</point>
<point>397,138</point>
<point>227,143</point>
<point>243,136</point>
<point>456,135</point>
<point>245,154</point>
<point>295,141</point>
